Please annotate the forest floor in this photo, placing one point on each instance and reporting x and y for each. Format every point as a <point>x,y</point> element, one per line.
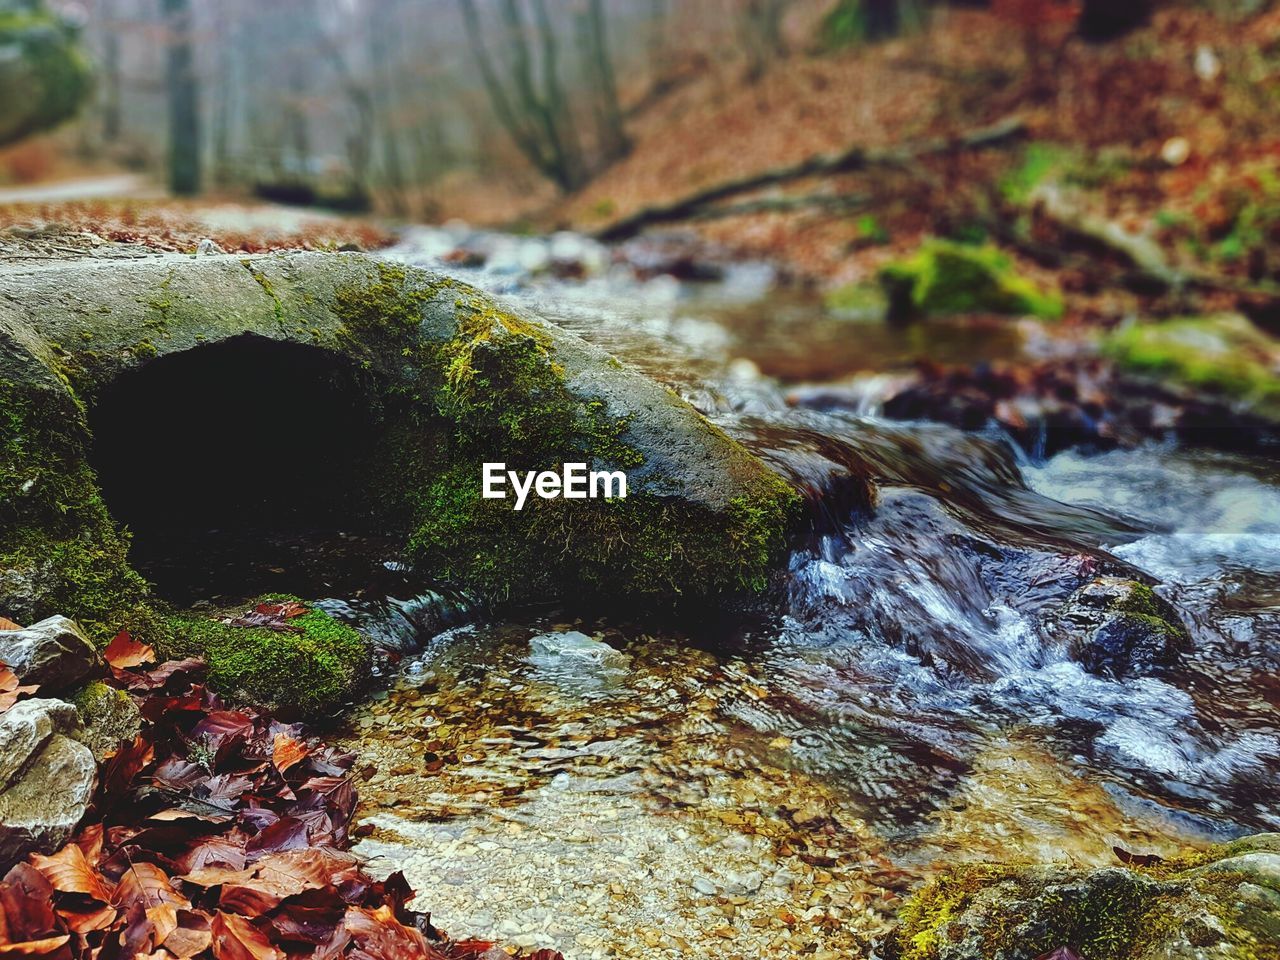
<point>1167,134</point>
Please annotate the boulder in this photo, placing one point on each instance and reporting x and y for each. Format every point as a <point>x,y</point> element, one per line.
<point>53,654</point>
<point>1220,904</point>
<point>1120,628</point>
<point>42,72</point>
<point>46,778</point>
<point>450,378</point>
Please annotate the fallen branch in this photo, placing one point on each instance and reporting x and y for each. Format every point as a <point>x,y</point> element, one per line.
<point>1146,265</point>
<point>836,203</point>
<point>823,164</point>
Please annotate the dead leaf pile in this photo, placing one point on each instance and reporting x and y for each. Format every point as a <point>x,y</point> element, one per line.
<point>218,833</point>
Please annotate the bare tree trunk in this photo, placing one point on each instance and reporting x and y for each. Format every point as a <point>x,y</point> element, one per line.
<point>1107,19</point>
<point>380,54</point>
<point>561,131</point>
<point>184,103</point>
<point>512,122</point>
<point>658,52</point>
<point>112,125</point>
<point>613,136</point>
<point>760,27</point>
<point>882,18</point>
<point>539,121</point>
<point>225,106</point>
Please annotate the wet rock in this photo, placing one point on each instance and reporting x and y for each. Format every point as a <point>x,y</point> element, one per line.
<point>1218,908</point>
<point>108,717</point>
<point>54,653</point>
<point>1121,628</point>
<point>46,778</point>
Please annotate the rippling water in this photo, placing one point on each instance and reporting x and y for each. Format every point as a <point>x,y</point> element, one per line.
<point>917,629</point>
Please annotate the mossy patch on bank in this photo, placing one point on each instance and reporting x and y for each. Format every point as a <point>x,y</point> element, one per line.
<point>309,669</point>
<point>944,277</point>
<point>1223,354</point>
<point>1011,912</point>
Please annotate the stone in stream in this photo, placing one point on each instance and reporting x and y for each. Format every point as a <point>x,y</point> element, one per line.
<point>436,379</point>
<point>46,778</point>
<point>1121,628</point>
<point>44,76</point>
<point>53,654</point>
<point>1223,904</point>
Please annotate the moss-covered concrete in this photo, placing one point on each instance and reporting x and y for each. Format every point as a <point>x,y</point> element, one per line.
<point>453,378</point>
<point>1221,903</point>
<point>318,664</point>
<point>44,76</point>
<point>1223,354</point>
<point>943,277</point>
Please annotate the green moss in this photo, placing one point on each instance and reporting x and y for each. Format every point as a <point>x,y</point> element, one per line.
<point>1224,354</point>
<point>1105,919</point>
<point>1008,912</point>
<point>944,277</point>
<point>277,306</point>
<point>108,717</point>
<point>306,673</point>
<point>922,919</point>
<point>500,394</point>
<point>1039,162</point>
<point>57,535</point>
<point>160,307</point>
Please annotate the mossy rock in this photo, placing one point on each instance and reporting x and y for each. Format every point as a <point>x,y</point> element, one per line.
<point>44,76</point>
<point>1223,904</point>
<point>317,664</point>
<point>1224,354</point>
<point>1121,628</point>
<point>943,277</point>
<point>452,379</point>
<point>108,718</point>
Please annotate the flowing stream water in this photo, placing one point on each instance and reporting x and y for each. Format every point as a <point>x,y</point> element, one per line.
<point>773,784</point>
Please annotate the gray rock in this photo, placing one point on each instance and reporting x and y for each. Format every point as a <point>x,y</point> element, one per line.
<point>1261,868</point>
<point>26,727</point>
<point>53,653</point>
<point>46,778</point>
<point>40,811</point>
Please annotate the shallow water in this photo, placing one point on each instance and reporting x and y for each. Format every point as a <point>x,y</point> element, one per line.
<point>619,789</point>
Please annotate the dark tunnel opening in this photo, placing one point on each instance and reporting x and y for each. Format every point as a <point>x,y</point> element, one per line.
<point>238,468</point>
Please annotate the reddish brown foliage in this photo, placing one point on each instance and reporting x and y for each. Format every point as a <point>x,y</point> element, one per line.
<point>11,690</point>
<point>217,833</point>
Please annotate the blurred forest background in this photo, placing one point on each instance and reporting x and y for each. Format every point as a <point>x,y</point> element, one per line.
<point>748,118</point>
